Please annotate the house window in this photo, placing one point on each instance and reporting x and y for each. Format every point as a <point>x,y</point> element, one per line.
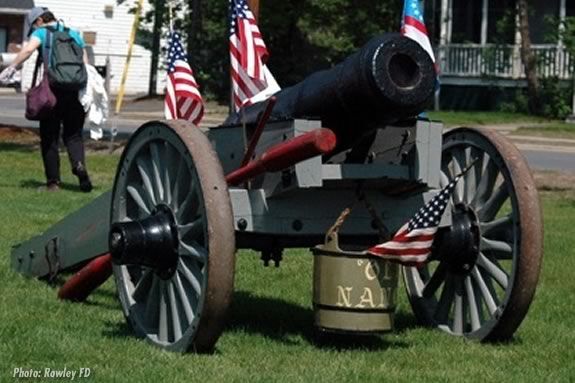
<point>3,39</point>
<point>570,8</point>
<point>544,15</point>
<point>466,21</point>
<point>432,14</point>
<point>501,22</point>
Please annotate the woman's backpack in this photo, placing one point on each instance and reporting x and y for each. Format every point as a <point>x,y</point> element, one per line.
<point>66,69</point>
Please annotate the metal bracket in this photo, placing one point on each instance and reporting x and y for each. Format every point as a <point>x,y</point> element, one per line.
<point>51,250</point>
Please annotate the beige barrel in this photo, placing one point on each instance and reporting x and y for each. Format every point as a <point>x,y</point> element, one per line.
<point>353,292</point>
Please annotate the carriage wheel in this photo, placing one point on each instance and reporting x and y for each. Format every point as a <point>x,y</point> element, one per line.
<point>484,267</point>
<point>172,237</point>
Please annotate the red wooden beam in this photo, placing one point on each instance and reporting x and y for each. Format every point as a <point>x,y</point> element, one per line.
<point>286,154</point>
<point>88,279</point>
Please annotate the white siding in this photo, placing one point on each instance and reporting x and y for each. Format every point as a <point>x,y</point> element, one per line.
<point>112,39</point>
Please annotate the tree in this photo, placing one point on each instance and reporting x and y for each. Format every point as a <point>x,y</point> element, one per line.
<point>156,34</point>
<point>528,58</point>
<point>302,36</point>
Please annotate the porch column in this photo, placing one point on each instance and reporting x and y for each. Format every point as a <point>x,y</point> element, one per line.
<point>445,29</point>
<point>517,64</point>
<point>562,16</point>
<point>485,21</point>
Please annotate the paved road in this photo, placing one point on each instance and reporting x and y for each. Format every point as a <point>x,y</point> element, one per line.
<point>550,160</point>
<point>539,151</point>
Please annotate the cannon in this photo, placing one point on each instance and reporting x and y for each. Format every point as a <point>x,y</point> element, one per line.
<point>336,163</point>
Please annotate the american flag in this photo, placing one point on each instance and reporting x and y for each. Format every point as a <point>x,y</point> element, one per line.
<point>413,26</point>
<point>248,54</point>
<point>411,245</point>
<point>183,99</point>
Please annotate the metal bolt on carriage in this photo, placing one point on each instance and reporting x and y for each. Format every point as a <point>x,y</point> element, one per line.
<point>336,163</point>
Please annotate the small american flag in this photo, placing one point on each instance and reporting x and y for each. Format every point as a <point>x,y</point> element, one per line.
<point>248,54</point>
<point>413,26</point>
<point>183,99</point>
<point>411,245</point>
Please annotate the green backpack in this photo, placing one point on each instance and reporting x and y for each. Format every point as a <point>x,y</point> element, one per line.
<point>66,68</point>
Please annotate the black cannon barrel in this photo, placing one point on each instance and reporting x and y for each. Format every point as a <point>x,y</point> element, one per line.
<point>391,78</point>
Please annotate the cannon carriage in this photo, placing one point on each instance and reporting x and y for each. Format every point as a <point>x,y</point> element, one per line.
<point>279,175</point>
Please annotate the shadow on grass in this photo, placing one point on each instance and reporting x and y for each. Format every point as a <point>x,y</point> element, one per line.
<point>405,321</point>
<point>120,329</point>
<point>280,321</point>
<point>19,147</point>
<point>35,184</point>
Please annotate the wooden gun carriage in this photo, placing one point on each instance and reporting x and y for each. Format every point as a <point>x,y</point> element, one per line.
<point>278,175</point>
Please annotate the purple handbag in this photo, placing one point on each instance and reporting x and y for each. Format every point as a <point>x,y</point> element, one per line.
<point>40,100</point>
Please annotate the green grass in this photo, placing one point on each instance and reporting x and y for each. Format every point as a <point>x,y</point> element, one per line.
<point>459,118</point>
<point>269,335</point>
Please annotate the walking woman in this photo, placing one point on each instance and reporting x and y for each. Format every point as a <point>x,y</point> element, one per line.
<point>68,112</point>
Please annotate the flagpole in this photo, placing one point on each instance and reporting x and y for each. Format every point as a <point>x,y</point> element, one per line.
<point>255,8</point>
<point>170,16</point>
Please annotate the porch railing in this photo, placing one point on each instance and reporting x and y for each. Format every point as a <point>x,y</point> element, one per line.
<point>502,61</point>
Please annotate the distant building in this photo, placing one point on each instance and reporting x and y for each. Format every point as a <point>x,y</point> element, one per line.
<point>104,25</point>
<point>478,46</point>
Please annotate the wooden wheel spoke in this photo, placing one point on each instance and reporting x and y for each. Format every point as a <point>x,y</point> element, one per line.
<point>137,197</point>
<point>458,308</point>
<point>486,295</point>
<point>489,210</point>
<point>174,313</point>
<point>195,251</point>
<point>458,166</point>
<point>499,249</point>
<point>142,288</point>
<point>498,228</point>
<point>493,270</point>
<point>443,307</point>
<point>163,314</point>
<point>146,179</point>
<point>185,298</point>
<point>474,307</point>
<point>190,205</point>
<point>152,304</point>
<point>176,186</point>
<point>194,229</point>
<point>156,166</point>
<point>437,278</point>
<point>190,274</point>
<point>487,182</point>
<point>168,171</point>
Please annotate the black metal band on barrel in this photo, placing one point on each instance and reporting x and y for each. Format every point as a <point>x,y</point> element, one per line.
<point>389,310</point>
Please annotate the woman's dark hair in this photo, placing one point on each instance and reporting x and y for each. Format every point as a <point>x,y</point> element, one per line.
<point>48,17</point>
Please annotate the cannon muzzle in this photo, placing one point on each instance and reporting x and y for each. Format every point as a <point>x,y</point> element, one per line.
<point>390,79</point>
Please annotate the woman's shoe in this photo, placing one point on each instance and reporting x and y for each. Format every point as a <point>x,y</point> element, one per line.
<point>80,171</point>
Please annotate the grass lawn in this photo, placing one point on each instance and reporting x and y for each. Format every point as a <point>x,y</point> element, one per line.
<point>269,335</point>
<point>466,118</point>
<point>554,130</point>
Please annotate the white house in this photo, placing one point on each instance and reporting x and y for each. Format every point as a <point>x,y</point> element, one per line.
<point>472,51</point>
<point>105,26</point>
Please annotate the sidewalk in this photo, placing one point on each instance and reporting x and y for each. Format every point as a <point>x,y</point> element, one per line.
<point>133,114</point>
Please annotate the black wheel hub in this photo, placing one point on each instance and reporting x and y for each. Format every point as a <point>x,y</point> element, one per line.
<point>458,245</point>
<point>151,242</point>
